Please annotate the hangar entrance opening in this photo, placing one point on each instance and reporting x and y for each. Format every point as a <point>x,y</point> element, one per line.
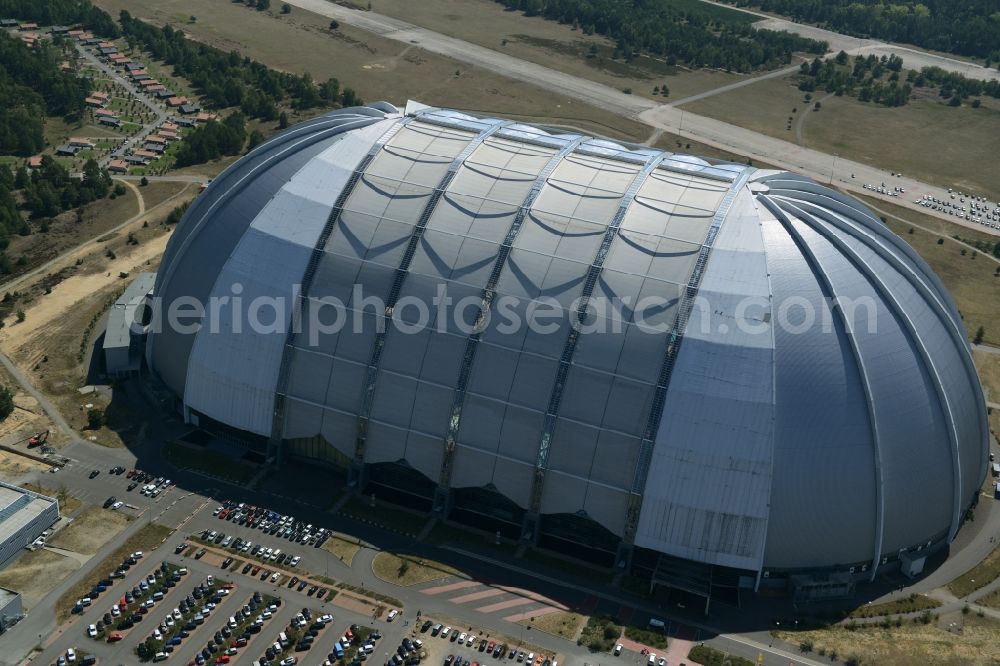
<point>400,484</point>
<point>486,509</point>
<point>579,537</point>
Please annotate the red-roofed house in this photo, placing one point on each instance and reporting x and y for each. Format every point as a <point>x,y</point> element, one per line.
<point>138,72</point>
<point>65,66</point>
<point>146,153</point>
<point>177,101</point>
<point>172,127</point>
<point>149,82</point>
<point>81,142</point>
<point>98,94</point>
<point>34,161</point>
<point>93,101</point>
<point>118,166</point>
<point>156,88</point>
<point>169,135</point>
<point>205,117</point>
<point>105,45</point>
<point>75,33</point>
<point>105,112</point>
<point>155,138</point>
<point>27,26</point>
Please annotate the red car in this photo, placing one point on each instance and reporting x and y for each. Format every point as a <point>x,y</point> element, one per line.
<point>115,636</point>
<point>224,659</point>
<point>241,642</point>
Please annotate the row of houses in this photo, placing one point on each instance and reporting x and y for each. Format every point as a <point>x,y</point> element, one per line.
<point>98,101</point>
<point>154,145</point>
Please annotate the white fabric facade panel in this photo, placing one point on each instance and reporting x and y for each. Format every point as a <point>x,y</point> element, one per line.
<point>710,476</point>
<point>232,374</point>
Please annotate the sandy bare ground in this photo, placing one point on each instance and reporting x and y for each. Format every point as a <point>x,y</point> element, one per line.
<point>13,465</point>
<point>37,573</point>
<point>90,531</point>
<point>50,307</point>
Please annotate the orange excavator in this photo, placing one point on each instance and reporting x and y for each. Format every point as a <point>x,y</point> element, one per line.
<point>38,440</point>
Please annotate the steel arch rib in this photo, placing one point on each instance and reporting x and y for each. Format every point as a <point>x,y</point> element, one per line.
<point>278,419</point>
<point>486,301</point>
<point>674,339</point>
<point>569,349</point>
<point>925,356</point>
<point>816,267</point>
<point>378,346</point>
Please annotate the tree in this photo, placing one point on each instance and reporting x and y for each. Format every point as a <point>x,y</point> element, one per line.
<point>95,418</point>
<point>256,138</point>
<point>842,58</point>
<point>978,339</point>
<point>283,120</point>
<point>263,5</point>
<point>334,24</point>
<point>286,8</point>
<point>6,402</point>
<point>144,182</point>
<point>817,106</point>
<point>20,315</point>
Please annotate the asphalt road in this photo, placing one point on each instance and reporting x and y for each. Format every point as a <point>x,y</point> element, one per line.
<point>822,167</point>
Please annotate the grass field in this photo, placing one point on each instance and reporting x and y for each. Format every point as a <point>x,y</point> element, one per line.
<point>376,67</point>
<point>405,570</point>
<point>989,374</point>
<point>983,573</point>
<point>37,573</point>
<point>487,23</point>
<point>345,550</point>
<point>977,644</point>
<point>90,530</point>
<point>146,539</point>
<point>911,604</point>
<point>563,624</point>
<point>925,139</point>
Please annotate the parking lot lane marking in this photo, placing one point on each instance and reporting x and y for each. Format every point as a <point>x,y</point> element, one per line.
<point>503,605</point>
<point>527,615</point>
<point>482,594</point>
<point>461,585</point>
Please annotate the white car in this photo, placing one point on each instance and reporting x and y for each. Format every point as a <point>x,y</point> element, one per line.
<point>461,638</point>
<point>115,612</point>
<point>392,615</point>
<point>92,631</point>
<point>445,632</point>
<point>274,576</point>
<point>70,655</point>
<point>117,505</point>
<point>295,561</point>
<point>618,649</point>
<point>157,635</point>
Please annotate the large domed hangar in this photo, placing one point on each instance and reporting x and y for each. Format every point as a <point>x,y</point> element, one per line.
<point>722,415</point>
